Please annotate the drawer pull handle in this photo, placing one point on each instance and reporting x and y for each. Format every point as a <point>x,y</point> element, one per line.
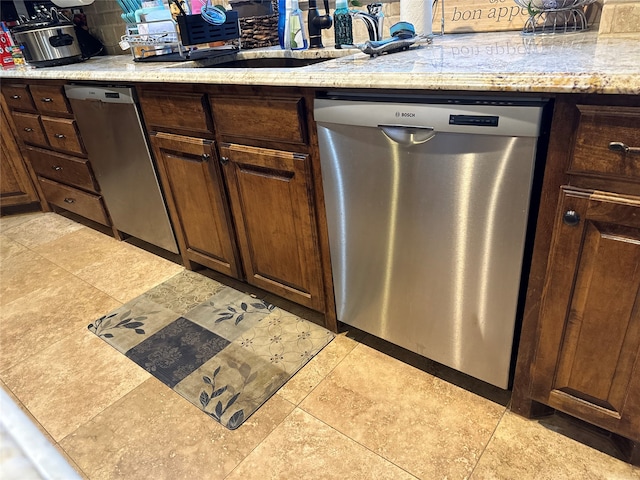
<point>16,97</point>
<point>571,218</point>
<point>206,157</point>
<point>69,200</point>
<point>57,168</point>
<point>224,160</point>
<point>623,147</point>
<point>47,100</point>
<point>28,129</point>
<point>58,135</point>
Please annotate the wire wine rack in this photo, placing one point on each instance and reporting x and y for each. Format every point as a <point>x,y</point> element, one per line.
<point>555,16</point>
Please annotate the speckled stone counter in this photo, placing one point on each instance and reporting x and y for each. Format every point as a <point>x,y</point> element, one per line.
<point>501,61</point>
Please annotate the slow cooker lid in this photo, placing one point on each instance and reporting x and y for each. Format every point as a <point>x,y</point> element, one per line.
<point>38,24</point>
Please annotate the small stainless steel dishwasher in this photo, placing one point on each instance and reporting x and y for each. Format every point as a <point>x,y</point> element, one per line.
<point>427,203</point>
<point>111,128</point>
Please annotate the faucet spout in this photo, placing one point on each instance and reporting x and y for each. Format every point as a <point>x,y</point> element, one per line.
<point>317,23</point>
<point>373,19</point>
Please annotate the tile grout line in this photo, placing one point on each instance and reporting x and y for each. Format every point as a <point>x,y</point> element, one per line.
<point>338,431</point>
<point>31,293</point>
<point>328,373</point>
<point>31,250</point>
<point>62,267</point>
<point>358,443</point>
<point>488,442</point>
<point>44,430</point>
<point>265,438</point>
<point>295,406</point>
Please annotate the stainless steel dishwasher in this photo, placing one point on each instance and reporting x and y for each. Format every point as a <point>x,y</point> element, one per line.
<point>427,204</point>
<point>111,128</point>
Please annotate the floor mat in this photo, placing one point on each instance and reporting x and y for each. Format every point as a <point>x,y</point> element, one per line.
<point>223,350</point>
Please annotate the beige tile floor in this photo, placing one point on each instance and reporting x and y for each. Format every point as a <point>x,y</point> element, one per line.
<point>353,412</point>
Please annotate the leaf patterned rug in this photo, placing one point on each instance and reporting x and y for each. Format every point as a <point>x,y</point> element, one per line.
<point>223,350</point>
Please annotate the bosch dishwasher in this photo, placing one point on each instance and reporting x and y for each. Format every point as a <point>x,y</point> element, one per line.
<point>427,202</point>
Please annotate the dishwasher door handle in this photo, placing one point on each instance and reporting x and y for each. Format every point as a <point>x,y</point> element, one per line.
<point>407,134</point>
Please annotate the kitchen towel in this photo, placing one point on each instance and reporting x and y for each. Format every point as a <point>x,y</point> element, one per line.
<point>419,13</point>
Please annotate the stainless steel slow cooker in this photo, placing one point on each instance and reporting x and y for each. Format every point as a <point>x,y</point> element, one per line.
<point>47,44</point>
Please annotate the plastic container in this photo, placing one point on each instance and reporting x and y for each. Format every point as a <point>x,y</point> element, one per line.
<point>282,17</point>
<point>195,6</point>
<point>295,36</point>
<point>342,24</point>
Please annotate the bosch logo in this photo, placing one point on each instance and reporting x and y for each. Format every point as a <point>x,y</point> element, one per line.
<point>405,114</point>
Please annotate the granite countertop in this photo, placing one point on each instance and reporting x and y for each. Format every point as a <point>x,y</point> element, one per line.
<point>500,61</point>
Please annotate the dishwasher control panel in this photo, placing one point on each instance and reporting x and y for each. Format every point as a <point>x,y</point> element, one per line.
<point>477,120</point>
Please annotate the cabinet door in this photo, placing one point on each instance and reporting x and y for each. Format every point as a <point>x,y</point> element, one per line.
<point>16,187</point>
<point>272,204</point>
<point>588,358</point>
<point>197,201</point>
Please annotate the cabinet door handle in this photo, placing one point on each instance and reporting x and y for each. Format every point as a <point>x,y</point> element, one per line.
<point>69,200</point>
<point>57,168</point>
<point>224,160</point>
<point>623,147</point>
<point>206,157</point>
<point>28,129</point>
<point>571,218</point>
<point>16,97</point>
<point>59,135</point>
<point>47,100</point>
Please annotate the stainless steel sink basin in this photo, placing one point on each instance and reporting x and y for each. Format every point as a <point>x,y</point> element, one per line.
<point>277,62</point>
<point>269,58</point>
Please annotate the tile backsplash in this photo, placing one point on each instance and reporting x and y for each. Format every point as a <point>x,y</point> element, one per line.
<point>620,17</point>
<point>106,24</point>
<point>103,18</point>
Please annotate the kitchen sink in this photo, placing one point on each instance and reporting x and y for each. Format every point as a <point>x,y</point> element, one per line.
<point>269,62</point>
<point>269,58</point>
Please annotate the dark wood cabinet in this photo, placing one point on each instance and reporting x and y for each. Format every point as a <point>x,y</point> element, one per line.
<point>240,169</point>
<point>54,150</point>
<point>30,128</point>
<point>272,202</point>
<point>196,197</point>
<point>50,99</point>
<point>268,149</point>
<point>63,135</point>
<point>590,317</point>
<point>579,351</point>
<point>181,135</point>
<point>16,187</point>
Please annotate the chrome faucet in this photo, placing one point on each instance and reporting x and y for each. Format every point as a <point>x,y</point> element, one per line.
<point>373,19</point>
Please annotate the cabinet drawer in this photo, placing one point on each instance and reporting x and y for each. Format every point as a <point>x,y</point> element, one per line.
<point>272,119</point>
<point>50,99</point>
<point>18,96</point>
<point>598,127</point>
<point>62,134</point>
<point>76,201</point>
<point>183,113</point>
<point>29,128</point>
<point>63,168</point>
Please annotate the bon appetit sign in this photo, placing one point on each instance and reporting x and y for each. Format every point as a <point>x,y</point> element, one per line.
<point>461,16</point>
